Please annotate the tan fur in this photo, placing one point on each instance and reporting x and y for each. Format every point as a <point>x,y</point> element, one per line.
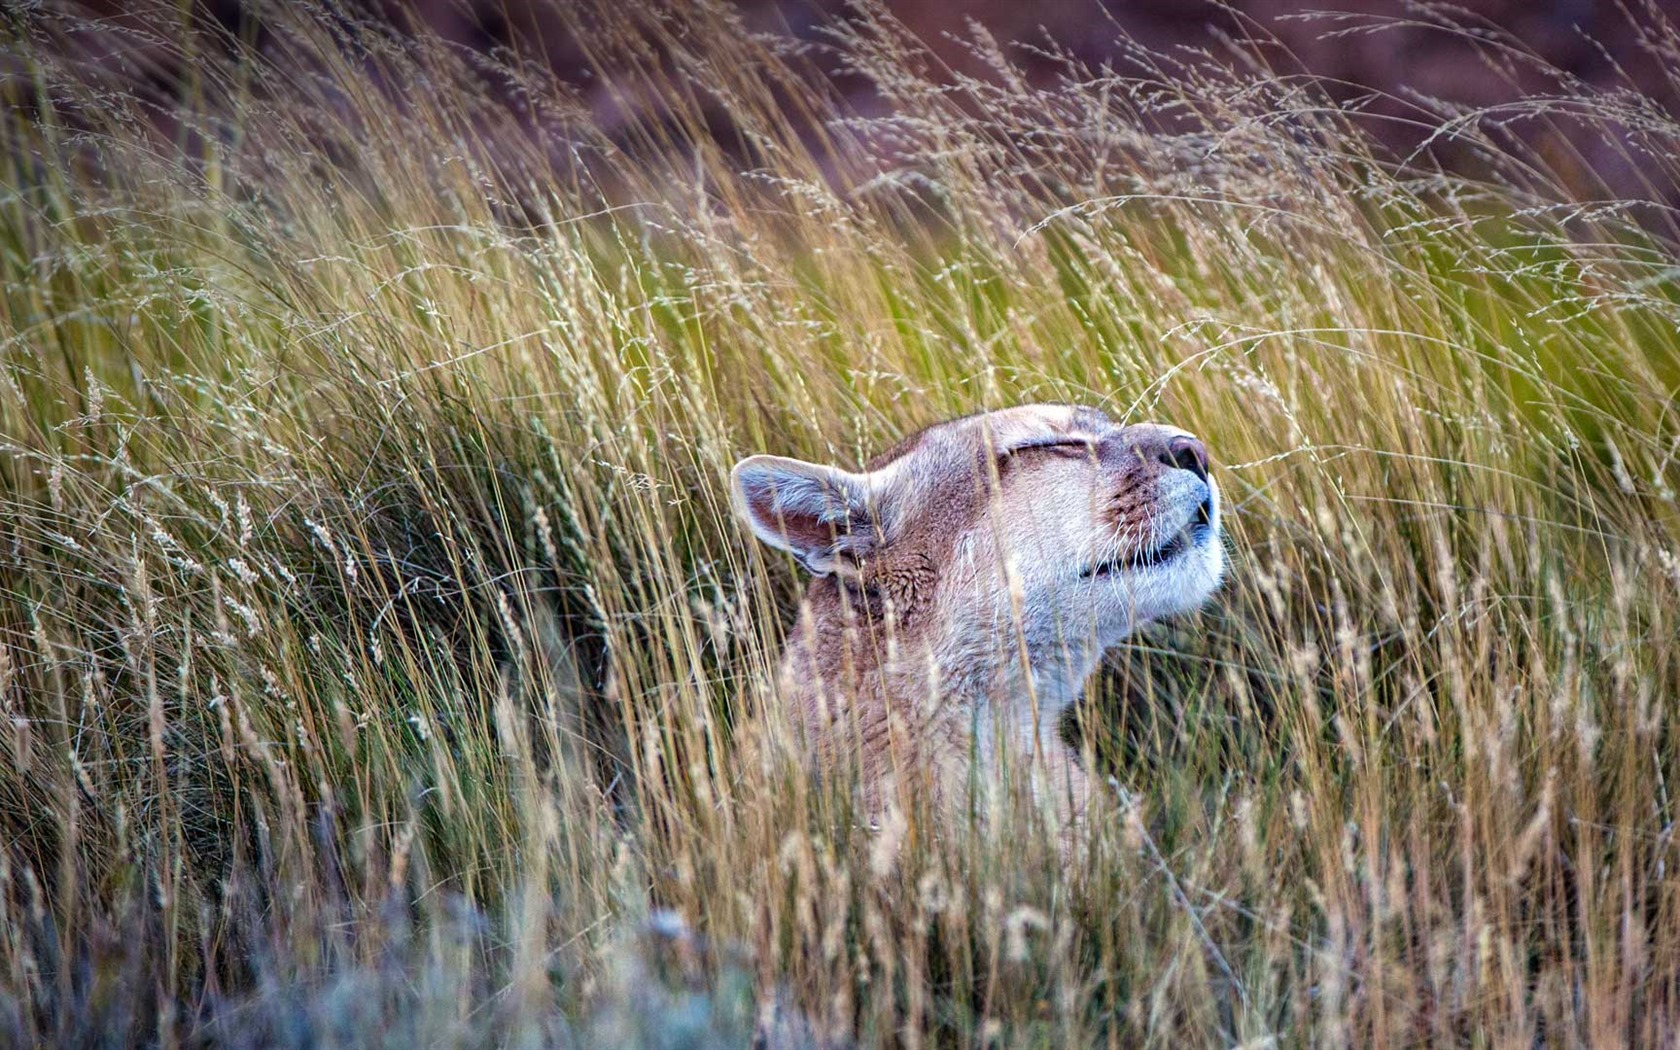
<point>956,613</point>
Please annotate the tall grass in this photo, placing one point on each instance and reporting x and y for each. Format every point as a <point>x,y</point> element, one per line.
<point>381,665</point>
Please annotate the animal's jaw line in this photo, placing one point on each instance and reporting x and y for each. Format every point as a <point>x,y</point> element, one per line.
<point>1201,530</point>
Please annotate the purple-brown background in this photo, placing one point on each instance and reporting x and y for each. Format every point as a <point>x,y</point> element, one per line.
<point>1596,41</point>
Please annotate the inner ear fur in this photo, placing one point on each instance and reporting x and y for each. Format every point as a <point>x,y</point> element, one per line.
<point>824,516</point>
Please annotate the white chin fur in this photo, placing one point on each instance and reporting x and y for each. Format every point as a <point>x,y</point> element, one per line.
<point>1191,578</point>
<point>1177,586</point>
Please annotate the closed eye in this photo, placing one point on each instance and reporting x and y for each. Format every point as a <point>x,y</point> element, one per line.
<point>1067,448</point>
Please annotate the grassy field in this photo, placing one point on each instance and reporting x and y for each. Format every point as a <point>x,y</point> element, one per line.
<point>381,664</point>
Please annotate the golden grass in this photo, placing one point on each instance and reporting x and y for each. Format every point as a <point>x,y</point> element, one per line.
<point>379,653</point>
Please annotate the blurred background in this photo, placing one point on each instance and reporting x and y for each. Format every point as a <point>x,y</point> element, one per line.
<point>1395,58</point>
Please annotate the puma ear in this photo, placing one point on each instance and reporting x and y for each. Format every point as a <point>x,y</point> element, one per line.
<point>821,515</point>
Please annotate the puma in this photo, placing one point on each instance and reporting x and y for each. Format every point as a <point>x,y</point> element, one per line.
<point>968,581</point>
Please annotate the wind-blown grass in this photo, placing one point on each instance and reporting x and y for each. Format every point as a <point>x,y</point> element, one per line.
<point>381,664</point>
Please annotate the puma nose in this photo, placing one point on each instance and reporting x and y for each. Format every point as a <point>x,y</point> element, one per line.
<point>1185,453</point>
